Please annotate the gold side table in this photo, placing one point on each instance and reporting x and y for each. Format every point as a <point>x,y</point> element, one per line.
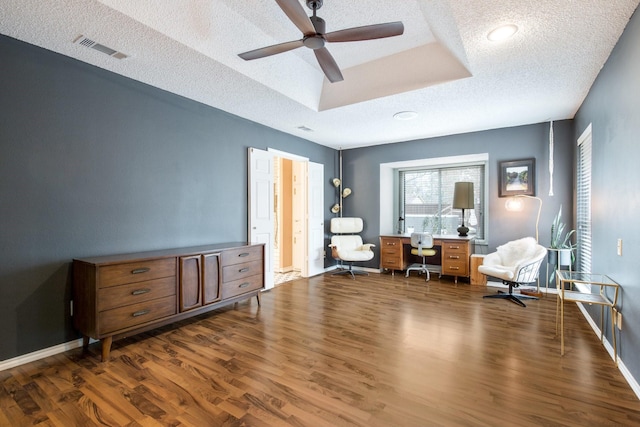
<point>569,289</point>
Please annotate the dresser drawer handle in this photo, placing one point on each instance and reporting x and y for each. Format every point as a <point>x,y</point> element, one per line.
<point>390,244</point>
<point>141,313</point>
<point>454,247</point>
<point>141,291</point>
<point>244,270</point>
<point>454,256</point>
<point>244,285</point>
<point>243,254</point>
<point>140,270</point>
<point>454,268</point>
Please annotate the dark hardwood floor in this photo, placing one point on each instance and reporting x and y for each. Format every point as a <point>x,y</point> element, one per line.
<point>332,351</point>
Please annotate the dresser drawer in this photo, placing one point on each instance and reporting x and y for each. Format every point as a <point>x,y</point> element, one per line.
<point>136,314</point>
<point>118,296</point>
<point>113,275</point>
<point>240,255</point>
<point>239,271</point>
<point>238,287</point>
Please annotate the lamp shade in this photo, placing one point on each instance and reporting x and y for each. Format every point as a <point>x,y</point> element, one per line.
<point>463,195</point>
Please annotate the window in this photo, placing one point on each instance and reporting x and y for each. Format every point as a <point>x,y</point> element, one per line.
<point>426,197</point>
<point>583,211</point>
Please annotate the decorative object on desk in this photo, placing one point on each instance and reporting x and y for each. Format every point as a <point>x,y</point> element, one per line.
<point>517,177</point>
<point>514,204</point>
<point>463,199</point>
<point>400,225</point>
<point>516,263</point>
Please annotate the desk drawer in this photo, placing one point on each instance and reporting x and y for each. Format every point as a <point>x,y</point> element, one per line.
<point>391,253</point>
<point>455,268</point>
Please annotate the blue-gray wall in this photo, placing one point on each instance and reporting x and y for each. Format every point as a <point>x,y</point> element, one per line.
<point>94,163</point>
<point>361,171</point>
<point>613,108</point>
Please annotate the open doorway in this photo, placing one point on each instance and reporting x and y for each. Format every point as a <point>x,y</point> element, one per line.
<point>289,203</point>
<point>309,241</point>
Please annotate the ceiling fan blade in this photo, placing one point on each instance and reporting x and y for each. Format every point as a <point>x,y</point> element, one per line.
<point>271,50</point>
<point>368,32</point>
<point>296,14</point>
<point>328,65</point>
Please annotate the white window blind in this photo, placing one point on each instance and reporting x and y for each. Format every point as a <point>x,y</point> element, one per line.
<point>426,197</point>
<point>583,216</point>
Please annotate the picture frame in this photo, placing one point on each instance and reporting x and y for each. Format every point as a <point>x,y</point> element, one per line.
<point>517,177</point>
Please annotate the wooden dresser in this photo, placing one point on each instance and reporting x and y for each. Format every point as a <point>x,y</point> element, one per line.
<point>121,295</point>
<point>455,251</point>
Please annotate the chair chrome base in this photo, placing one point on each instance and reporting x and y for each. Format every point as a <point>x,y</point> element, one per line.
<point>350,270</point>
<point>421,268</point>
<point>510,296</point>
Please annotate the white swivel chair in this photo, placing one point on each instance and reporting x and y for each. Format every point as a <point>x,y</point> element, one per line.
<point>515,263</point>
<point>421,245</point>
<point>347,246</point>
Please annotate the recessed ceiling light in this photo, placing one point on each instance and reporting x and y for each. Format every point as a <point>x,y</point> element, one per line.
<point>502,33</point>
<point>405,115</point>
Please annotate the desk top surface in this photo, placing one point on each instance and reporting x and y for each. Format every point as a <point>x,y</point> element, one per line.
<point>435,236</point>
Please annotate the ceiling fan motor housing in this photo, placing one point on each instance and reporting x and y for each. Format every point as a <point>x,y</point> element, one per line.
<point>315,41</point>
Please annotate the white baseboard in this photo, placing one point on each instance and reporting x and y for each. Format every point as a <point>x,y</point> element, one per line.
<point>607,345</point>
<point>40,354</point>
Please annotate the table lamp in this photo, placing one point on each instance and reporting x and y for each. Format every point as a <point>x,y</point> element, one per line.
<point>463,199</point>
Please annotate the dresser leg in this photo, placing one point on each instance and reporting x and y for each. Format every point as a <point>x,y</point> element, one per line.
<point>106,348</point>
<point>258,298</point>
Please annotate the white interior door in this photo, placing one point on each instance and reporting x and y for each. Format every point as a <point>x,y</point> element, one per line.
<point>315,219</point>
<point>261,218</point>
<point>299,216</point>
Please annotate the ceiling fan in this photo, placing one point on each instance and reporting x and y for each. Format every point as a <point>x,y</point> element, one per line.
<point>314,36</point>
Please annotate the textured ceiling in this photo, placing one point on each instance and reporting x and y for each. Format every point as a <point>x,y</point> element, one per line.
<point>443,67</point>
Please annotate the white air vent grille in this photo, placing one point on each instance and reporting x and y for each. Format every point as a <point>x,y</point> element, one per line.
<point>87,42</point>
<point>304,128</point>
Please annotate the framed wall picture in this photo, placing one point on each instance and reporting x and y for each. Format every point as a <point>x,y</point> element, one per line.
<point>517,177</point>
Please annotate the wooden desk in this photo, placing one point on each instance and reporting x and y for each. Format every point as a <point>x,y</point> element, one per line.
<point>395,253</point>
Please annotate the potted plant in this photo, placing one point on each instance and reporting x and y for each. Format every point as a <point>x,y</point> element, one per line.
<point>561,244</point>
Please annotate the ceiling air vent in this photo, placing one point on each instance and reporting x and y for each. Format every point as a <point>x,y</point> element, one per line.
<point>304,128</point>
<point>84,41</point>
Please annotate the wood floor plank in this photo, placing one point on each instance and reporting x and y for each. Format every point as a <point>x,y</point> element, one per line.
<point>377,351</point>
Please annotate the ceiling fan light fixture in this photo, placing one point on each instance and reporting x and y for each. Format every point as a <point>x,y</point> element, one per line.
<point>502,32</point>
<point>405,115</point>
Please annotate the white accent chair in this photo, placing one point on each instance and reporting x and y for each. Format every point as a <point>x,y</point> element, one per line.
<point>421,245</point>
<point>347,246</point>
<point>515,263</point>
